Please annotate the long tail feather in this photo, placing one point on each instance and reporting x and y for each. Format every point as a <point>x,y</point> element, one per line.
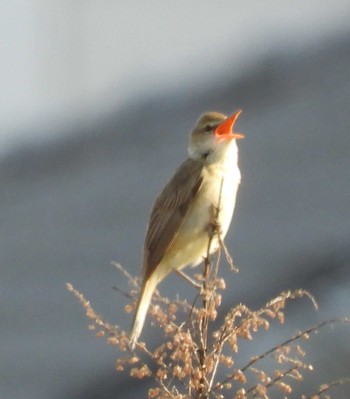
<point>141,310</point>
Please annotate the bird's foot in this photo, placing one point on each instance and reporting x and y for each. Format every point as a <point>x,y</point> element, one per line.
<point>214,228</point>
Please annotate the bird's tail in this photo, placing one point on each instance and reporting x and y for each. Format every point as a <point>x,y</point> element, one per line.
<point>141,310</point>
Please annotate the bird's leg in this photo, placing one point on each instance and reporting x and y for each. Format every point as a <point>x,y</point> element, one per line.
<point>188,279</point>
<point>229,258</point>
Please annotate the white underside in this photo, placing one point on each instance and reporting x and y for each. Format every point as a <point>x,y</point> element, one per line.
<point>218,190</point>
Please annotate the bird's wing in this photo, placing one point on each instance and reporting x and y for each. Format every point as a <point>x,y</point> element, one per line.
<point>169,211</point>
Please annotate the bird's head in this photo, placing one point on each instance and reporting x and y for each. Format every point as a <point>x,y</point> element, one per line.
<point>213,133</point>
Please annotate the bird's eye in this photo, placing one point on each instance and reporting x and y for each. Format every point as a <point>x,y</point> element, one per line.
<point>208,128</point>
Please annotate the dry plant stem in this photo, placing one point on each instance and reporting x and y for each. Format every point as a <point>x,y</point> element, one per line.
<point>132,280</point>
<point>209,278</point>
<point>281,298</point>
<point>98,320</point>
<point>218,350</point>
<point>284,344</point>
<point>203,328</point>
<point>327,387</point>
<point>289,341</point>
<point>272,382</point>
<point>124,293</point>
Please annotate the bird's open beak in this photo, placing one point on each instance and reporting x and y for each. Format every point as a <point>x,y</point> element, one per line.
<point>225,129</point>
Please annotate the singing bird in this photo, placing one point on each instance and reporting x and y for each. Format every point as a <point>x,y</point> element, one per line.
<point>178,230</point>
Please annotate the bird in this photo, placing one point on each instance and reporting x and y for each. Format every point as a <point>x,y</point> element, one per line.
<point>177,234</point>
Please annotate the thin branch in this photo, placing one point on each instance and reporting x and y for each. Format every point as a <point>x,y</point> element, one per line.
<point>132,280</point>
<point>325,388</point>
<point>255,359</point>
<point>273,381</point>
<point>124,293</point>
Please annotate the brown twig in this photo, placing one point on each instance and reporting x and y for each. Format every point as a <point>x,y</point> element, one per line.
<point>326,387</point>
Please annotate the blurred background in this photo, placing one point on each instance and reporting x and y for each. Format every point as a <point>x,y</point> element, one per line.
<point>97,100</point>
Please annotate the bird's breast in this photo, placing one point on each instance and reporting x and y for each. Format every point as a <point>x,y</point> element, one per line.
<point>217,194</point>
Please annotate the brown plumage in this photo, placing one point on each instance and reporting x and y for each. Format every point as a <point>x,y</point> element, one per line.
<point>168,213</point>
